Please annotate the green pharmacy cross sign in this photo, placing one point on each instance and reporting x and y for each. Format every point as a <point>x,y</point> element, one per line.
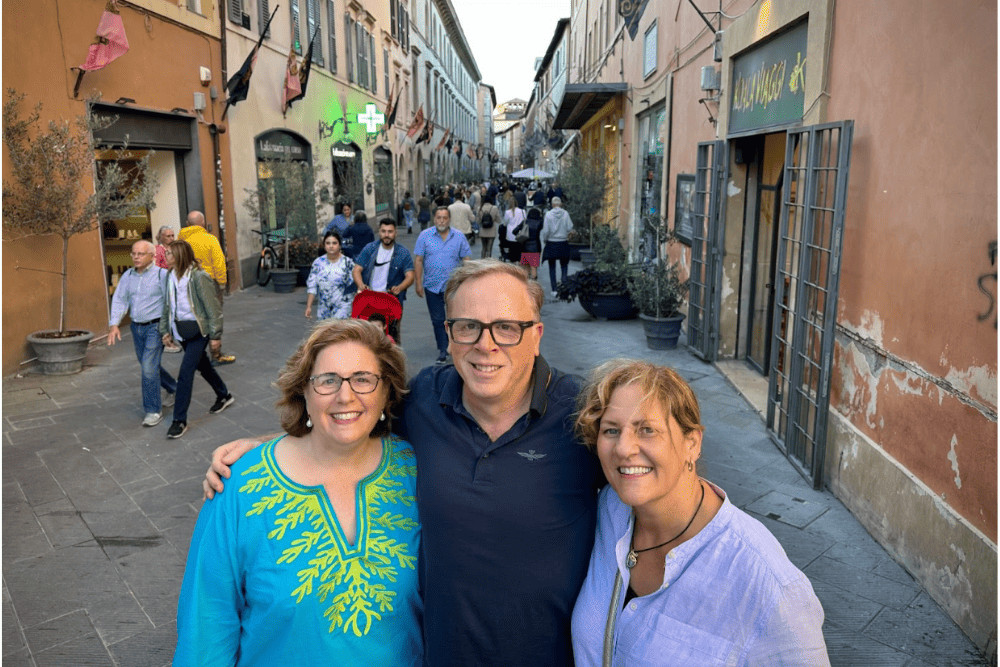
<point>372,118</point>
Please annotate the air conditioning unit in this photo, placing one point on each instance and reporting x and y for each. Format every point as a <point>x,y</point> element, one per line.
<point>711,78</point>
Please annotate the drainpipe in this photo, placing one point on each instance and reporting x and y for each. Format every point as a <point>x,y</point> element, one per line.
<point>215,130</point>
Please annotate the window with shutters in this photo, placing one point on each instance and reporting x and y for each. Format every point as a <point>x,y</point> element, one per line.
<point>348,56</point>
<point>296,43</point>
<point>236,13</point>
<point>331,20</point>
<point>392,19</point>
<point>265,14</point>
<point>315,36</point>
<point>649,51</point>
<point>362,44</point>
<point>374,63</point>
<point>385,65</point>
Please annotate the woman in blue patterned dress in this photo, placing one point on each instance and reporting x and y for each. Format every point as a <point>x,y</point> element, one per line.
<point>331,282</point>
<point>312,560</point>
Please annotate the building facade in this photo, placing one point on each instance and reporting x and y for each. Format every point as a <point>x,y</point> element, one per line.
<point>165,92</point>
<point>550,83</point>
<point>508,133</point>
<point>807,159</point>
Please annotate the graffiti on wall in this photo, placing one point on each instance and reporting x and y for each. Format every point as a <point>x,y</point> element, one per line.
<point>985,278</point>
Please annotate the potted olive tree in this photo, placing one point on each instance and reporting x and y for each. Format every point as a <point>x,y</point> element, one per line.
<point>602,288</point>
<point>658,292</point>
<point>49,193</point>
<point>584,181</point>
<point>289,197</point>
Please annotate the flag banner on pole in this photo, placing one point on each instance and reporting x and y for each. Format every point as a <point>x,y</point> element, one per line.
<point>303,74</point>
<point>110,42</point>
<point>390,116</point>
<point>444,140</point>
<point>239,83</point>
<point>427,132</point>
<point>417,124</point>
<point>293,87</point>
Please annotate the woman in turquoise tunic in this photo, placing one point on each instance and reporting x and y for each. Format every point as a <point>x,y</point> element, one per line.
<point>313,560</point>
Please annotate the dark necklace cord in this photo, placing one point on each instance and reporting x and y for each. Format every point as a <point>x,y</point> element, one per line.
<point>633,555</point>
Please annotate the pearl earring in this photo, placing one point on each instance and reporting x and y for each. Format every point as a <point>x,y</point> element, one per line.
<point>309,422</point>
<point>382,418</point>
<point>689,465</point>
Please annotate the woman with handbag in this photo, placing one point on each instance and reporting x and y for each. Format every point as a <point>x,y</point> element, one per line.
<point>192,315</point>
<point>530,232</point>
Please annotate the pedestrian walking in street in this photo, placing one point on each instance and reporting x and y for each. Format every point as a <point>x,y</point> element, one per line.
<point>330,285</point>
<point>513,219</point>
<point>531,252</point>
<point>424,216</point>
<point>409,212</point>
<point>140,293</point>
<point>678,572</point>
<point>438,252</point>
<point>357,236</point>
<point>192,314</point>
<point>354,486</point>
<point>504,550</point>
<point>210,257</point>
<point>341,221</point>
<point>462,217</point>
<point>163,239</point>
<point>385,266</point>
<point>489,224</point>
<point>555,236</point>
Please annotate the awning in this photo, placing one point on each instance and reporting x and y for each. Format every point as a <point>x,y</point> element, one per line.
<point>581,101</point>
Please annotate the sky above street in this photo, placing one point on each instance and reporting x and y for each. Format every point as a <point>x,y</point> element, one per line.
<point>506,36</point>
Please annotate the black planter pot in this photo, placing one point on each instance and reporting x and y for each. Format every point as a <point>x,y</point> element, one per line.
<point>587,257</point>
<point>574,250</point>
<point>616,306</point>
<point>303,274</point>
<point>284,280</point>
<point>662,333</point>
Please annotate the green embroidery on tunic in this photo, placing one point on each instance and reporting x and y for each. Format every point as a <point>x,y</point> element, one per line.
<point>356,585</point>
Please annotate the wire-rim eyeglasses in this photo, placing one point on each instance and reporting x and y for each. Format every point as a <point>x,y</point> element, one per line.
<point>330,383</point>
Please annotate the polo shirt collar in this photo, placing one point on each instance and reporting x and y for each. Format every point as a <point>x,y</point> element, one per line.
<point>451,392</point>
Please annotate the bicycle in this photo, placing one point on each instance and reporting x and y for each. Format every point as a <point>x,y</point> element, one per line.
<point>268,255</point>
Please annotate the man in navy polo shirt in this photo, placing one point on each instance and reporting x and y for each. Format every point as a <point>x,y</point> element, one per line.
<point>507,495</point>
<point>437,253</point>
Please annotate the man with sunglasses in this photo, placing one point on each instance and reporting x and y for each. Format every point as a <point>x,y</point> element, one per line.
<point>507,496</point>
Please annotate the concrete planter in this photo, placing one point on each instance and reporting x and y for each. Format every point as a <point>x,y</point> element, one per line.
<point>662,333</point>
<point>284,280</point>
<point>63,355</point>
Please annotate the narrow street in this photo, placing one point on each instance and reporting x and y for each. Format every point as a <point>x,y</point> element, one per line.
<point>98,511</point>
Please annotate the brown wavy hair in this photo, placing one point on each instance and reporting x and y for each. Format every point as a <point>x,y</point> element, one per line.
<point>183,257</point>
<point>293,381</point>
<point>658,383</point>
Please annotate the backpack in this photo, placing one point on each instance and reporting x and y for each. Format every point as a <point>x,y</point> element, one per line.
<point>522,233</point>
<point>487,222</point>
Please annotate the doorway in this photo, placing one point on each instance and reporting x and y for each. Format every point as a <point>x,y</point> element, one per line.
<point>763,218</point>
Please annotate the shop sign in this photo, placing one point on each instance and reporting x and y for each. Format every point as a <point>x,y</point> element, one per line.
<point>277,144</point>
<point>343,151</point>
<point>768,82</point>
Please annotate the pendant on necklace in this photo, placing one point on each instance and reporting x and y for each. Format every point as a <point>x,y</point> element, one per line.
<point>631,559</point>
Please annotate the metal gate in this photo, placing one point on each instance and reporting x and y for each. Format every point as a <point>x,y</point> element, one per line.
<point>817,164</point>
<point>706,250</point>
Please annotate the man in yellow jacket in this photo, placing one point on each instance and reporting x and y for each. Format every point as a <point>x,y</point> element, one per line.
<point>209,254</point>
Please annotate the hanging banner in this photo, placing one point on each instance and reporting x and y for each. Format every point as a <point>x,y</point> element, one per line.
<point>631,11</point>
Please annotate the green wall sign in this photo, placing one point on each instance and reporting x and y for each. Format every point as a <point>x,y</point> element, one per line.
<point>769,82</point>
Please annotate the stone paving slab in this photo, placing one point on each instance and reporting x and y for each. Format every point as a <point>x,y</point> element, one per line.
<point>98,511</point>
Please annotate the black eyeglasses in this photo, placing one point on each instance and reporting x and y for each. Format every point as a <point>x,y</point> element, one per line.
<point>330,383</point>
<point>505,332</point>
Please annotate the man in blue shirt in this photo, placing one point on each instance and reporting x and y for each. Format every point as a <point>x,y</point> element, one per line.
<point>507,496</point>
<point>438,252</point>
<point>140,293</point>
<point>385,266</point>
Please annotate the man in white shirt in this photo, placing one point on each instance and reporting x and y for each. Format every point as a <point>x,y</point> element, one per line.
<point>462,217</point>
<point>384,265</point>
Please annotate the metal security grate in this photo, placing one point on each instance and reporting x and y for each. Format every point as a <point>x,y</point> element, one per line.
<point>817,163</point>
<point>706,250</point>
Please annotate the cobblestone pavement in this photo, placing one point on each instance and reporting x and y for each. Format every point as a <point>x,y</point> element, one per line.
<point>98,511</point>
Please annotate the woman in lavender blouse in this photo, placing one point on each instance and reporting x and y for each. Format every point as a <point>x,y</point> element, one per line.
<point>678,574</point>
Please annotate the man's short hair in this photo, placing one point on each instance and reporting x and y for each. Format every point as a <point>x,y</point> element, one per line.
<point>479,268</point>
<point>360,218</point>
<point>443,208</point>
<point>387,221</point>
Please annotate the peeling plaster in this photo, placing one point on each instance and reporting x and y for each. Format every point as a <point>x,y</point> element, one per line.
<point>979,378</point>
<point>910,383</point>
<point>871,327</point>
<point>858,376</point>
<point>727,287</point>
<point>953,457</point>
<point>732,190</point>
